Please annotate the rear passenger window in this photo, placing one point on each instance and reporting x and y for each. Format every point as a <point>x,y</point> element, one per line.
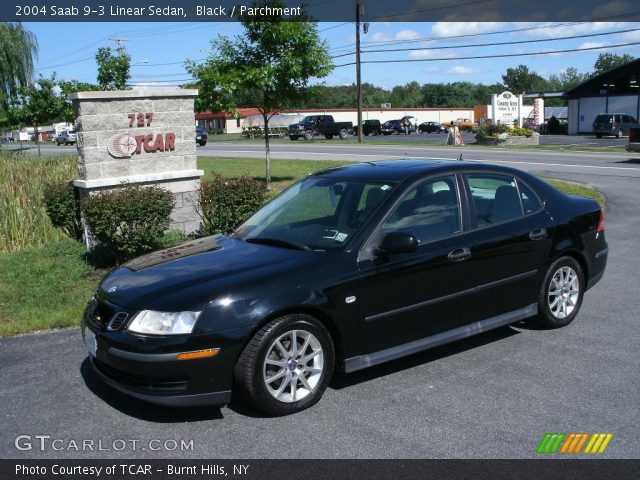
<point>495,198</point>
<point>530,202</point>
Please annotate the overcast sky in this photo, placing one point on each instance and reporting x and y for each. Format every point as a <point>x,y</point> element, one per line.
<point>69,48</point>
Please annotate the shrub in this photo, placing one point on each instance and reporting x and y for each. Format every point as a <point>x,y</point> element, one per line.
<point>130,220</point>
<point>61,201</point>
<point>224,204</point>
<point>491,130</point>
<point>521,132</point>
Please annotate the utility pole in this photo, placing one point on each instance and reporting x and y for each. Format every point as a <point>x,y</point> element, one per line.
<point>359,11</point>
<point>119,40</point>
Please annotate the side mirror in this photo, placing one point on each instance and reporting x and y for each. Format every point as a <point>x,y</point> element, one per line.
<point>398,242</point>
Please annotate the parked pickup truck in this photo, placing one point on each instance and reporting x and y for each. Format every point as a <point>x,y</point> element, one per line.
<point>634,140</point>
<point>313,125</point>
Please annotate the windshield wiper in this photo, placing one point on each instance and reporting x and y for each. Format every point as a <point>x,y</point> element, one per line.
<point>278,243</point>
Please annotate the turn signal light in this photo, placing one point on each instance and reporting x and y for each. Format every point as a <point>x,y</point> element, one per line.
<point>601,222</point>
<point>211,352</point>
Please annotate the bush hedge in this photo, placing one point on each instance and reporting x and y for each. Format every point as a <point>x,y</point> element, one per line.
<point>63,207</point>
<point>224,204</point>
<point>130,220</point>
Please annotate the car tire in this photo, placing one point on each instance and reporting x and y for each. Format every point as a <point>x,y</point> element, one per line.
<point>619,134</point>
<point>292,137</point>
<point>598,136</point>
<point>561,293</point>
<point>270,354</point>
<point>342,134</point>
<point>328,136</point>
<point>308,135</point>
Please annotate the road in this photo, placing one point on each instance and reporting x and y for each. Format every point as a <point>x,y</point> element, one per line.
<point>587,163</point>
<point>491,396</point>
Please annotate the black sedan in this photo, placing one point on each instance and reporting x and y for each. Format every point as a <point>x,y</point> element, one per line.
<point>349,268</point>
<point>431,127</point>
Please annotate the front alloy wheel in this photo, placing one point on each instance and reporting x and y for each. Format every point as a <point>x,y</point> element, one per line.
<point>293,366</point>
<point>287,365</point>
<point>561,293</point>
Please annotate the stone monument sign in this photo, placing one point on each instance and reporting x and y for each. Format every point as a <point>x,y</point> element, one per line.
<point>144,137</point>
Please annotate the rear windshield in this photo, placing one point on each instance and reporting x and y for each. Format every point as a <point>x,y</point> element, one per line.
<point>603,119</point>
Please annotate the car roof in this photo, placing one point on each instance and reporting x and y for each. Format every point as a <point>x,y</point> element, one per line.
<point>400,170</point>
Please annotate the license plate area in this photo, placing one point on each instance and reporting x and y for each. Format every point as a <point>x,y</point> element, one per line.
<point>90,342</point>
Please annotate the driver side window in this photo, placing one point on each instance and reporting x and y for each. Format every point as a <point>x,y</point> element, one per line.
<point>428,211</point>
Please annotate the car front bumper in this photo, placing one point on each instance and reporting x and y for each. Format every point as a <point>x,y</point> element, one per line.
<point>147,367</point>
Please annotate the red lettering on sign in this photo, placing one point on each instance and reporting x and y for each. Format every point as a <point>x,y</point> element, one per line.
<point>147,143</point>
<point>139,141</point>
<point>159,143</point>
<point>170,141</point>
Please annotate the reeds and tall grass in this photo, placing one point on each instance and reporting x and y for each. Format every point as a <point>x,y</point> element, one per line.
<point>23,219</point>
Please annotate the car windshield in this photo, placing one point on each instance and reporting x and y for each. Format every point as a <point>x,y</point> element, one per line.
<point>318,213</point>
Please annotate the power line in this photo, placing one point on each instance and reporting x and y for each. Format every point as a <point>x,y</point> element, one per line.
<point>502,55</point>
<point>538,40</point>
<point>383,43</point>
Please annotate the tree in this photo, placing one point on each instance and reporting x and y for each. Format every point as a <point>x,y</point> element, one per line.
<point>608,61</point>
<point>36,104</point>
<point>267,66</point>
<point>521,80</point>
<point>67,87</point>
<point>113,70</point>
<point>18,49</point>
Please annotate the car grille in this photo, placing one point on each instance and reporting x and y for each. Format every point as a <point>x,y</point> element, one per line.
<point>164,385</point>
<point>117,321</point>
<point>106,316</point>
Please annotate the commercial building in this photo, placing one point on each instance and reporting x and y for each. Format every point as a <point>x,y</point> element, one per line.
<point>227,123</point>
<point>615,91</point>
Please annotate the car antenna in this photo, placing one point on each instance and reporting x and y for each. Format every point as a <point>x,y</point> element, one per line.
<point>460,158</point>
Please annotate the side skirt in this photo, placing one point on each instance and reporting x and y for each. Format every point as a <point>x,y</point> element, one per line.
<point>370,359</point>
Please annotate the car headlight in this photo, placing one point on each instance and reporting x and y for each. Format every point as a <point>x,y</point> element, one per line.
<point>163,323</point>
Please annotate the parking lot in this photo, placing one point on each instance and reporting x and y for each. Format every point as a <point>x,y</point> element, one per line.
<point>490,396</point>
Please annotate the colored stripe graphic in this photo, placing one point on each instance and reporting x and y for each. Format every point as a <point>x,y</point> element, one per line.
<point>573,443</point>
<point>598,443</point>
<point>550,443</point>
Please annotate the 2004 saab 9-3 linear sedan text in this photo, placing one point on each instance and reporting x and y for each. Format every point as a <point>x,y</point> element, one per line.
<point>351,267</point>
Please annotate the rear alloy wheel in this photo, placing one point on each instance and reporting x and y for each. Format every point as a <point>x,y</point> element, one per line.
<point>287,365</point>
<point>561,293</point>
<point>342,133</point>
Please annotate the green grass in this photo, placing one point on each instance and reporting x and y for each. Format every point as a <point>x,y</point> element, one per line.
<point>283,172</point>
<point>573,188</point>
<point>44,287</point>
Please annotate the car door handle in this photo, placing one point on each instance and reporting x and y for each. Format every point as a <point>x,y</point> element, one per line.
<point>539,234</point>
<point>459,254</point>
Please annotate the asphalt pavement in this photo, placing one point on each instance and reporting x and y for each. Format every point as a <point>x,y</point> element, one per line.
<point>491,396</point>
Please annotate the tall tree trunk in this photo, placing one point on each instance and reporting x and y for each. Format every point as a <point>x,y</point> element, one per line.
<point>37,134</point>
<point>267,149</point>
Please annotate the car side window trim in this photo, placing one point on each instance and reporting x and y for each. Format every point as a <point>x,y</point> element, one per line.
<point>366,251</point>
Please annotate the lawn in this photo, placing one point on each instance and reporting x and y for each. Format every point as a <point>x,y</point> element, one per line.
<point>45,280</point>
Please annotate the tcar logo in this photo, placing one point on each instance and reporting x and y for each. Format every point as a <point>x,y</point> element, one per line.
<point>122,145</point>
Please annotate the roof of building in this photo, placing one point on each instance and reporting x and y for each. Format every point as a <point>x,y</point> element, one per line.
<point>609,80</point>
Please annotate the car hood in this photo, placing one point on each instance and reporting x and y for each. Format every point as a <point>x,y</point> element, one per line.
<point>190,275</point>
